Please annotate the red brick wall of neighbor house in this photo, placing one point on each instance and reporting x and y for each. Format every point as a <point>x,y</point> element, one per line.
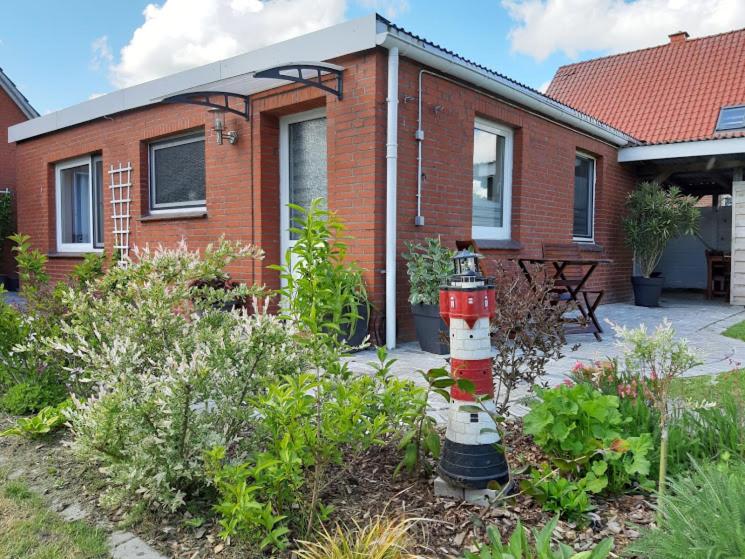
<point>542,181</point>
<point>242,179</point>
<point>9,114</point>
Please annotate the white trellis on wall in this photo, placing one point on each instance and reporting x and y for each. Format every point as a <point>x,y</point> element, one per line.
<point>120,183</point>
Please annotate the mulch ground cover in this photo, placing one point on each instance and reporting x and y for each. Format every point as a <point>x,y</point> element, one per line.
<point>361,490</point>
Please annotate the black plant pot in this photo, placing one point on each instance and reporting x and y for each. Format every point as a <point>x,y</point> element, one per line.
<point>647,291</point>
<point>355,337</point>
<point>430,329</point>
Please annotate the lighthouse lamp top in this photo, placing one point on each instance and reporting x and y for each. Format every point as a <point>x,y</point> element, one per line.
<point>466,264</point>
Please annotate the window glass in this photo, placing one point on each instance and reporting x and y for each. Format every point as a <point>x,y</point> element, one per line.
<point>308,165</point>
<point>488,178</point>
<point>75,206</point>
<point>584,184</point>
<point>177,177</point>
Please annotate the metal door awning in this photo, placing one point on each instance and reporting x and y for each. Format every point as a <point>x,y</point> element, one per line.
<point>220,93</point>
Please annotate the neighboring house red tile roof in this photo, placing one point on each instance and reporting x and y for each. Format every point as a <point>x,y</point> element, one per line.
<point>664,94</point>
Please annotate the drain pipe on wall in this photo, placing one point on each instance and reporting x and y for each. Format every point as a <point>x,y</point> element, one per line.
<point>391,198</point>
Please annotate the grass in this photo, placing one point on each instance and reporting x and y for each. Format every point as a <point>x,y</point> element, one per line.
<point>709,388</point>
<point>29,530</point>
<point>736,331</point>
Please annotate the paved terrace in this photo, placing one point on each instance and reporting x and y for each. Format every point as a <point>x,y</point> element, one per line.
<point>699,321</point>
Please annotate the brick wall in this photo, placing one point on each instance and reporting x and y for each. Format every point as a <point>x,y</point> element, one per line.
<point>9,114</point>
<point>542,180</point>
<point>243,180</point>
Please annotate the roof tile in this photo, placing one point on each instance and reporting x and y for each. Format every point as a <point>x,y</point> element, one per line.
<point>668,93</point>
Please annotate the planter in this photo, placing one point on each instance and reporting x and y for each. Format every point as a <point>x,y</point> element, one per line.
<point>647,291</point>
<point>356,337</point>
<point>431,330</point>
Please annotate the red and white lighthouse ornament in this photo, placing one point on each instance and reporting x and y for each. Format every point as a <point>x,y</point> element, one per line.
<point>471,458</point>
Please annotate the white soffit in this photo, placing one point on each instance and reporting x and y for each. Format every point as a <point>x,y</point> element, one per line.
<point>339,40</point>
<point>724,146</point>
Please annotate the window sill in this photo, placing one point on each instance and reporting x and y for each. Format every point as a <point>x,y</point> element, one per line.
<point>497,244</point>
<point>72,254</point>
<point>588,246</point>
<point>198,214</point>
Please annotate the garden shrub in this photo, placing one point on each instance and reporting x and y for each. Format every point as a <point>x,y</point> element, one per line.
<point>703,516</point>
<point>519,546</point>
<point>585,436</point>
<point>527,331</point>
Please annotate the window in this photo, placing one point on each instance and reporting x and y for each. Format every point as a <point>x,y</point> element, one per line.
<point>492,181</point>
<point>177,173</point>
<point>79,196</point>
<point>98,202</point>
<point>584,197</point>
<point>731,118</point>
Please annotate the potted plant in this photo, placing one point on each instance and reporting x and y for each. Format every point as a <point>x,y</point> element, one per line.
<point>6,224</point>
<point>655,215</point>
<point>429,264</point>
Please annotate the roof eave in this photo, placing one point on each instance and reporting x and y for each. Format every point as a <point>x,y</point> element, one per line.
<point>696,148</point>
<point>17,97</point>
<point>440,59</point>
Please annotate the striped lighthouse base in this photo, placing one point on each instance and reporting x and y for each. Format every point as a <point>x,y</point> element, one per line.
<point>472,457</point>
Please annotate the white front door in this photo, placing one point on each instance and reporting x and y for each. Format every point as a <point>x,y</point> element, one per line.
<point>302,167</point>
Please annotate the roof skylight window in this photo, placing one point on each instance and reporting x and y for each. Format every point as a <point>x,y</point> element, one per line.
<point>731,118</point>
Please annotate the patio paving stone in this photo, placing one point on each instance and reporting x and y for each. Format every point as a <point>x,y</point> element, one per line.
<point>699,321</point>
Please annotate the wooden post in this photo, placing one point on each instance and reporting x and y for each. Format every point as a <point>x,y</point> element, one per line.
<point>737,274</point>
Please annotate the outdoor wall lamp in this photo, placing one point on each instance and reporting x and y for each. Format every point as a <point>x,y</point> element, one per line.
<point>219,128</point>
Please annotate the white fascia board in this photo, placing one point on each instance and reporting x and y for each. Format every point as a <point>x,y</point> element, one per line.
<point>339,40</point>
<point>681,149</point>
<point>445,62</point>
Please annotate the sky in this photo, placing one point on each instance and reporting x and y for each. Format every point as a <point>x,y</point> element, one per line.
<point>63,53</point>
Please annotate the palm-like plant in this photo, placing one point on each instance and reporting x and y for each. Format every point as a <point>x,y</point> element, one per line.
<point>655,216</point>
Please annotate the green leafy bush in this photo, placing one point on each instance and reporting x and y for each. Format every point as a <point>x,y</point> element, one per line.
<point>428,264</point>
<point>519,546</point>
<point>560,494</point>
<point>703,516</point>
<point>586,438</point>
<point>29,397</point>
<point>268,492</point>
<point>655,216</point>
<point>322,290</point>
<point>46,421</point>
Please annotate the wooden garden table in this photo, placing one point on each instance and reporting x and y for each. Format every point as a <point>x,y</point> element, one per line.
<point>570,275</point>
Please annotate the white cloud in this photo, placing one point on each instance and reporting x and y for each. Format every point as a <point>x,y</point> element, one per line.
<point>94,95</point>
<point>181,34</point>
<point>544,27</point>
<point>389,8</point>
<point>101,53</point>
<point>544,86</point>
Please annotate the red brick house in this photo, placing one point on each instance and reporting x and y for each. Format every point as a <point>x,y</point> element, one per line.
<point>403,138</point>
<point>685,103</point>
<point>14,108</point>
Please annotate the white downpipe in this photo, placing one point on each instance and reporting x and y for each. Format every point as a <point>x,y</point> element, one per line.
<point>391,198</point>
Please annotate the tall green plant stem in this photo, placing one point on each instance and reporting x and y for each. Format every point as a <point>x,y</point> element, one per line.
<point>663,469</point>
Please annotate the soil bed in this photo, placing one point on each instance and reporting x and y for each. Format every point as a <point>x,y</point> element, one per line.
<point>365,489</point>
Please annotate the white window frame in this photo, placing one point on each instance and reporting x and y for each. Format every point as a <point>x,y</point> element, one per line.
<point>174,207</point>
<point>59,167</point>
<point>591,205</point>
<point>505,232</point>
<point>94,205</point>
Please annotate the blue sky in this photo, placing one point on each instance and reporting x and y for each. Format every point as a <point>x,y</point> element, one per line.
<point>49,49</point>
